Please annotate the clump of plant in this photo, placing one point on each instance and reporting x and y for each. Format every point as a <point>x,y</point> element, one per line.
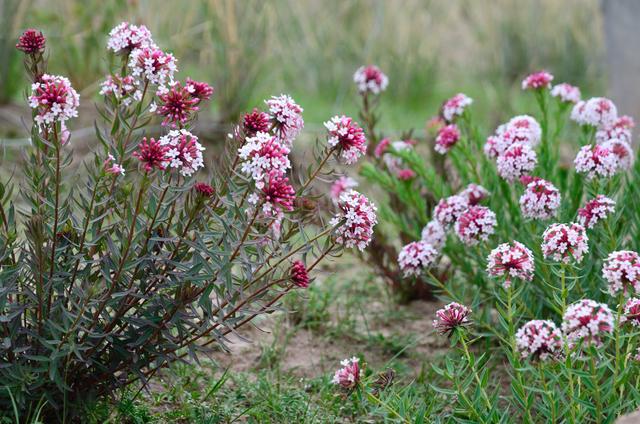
<point>536,228</point>
<point>141,258</point>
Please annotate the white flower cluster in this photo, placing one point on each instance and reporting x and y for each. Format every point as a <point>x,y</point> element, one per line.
<point>566,93</point>
<point>596,161</point>
<point>597,112</point>
<point>587,320</point>
<point>449,209</point>
<point>185,152</point>
<point>540,200</point>
<point>475,224</point>
<point>565,242</point>
<point>262,154</point>
<point>518,160</point>
<point>416,257</point>
<point>434,234</point>
<point>540,339</point>
<point>621,270</point>
<point>511,260</point>
<point>126,37</point>
<point>358,217</point>
<point>153,65</point>
<point>455,106</point>
<point>287,116</point>
<point>54,99</point>
<point>595,210</point>
<point>370,79</point>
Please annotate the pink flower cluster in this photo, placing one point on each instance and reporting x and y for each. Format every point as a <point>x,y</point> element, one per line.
<point>184,151</point>
<point>341,185</point>
<point>256,121</point>
<point>204,189</point>
<point>520,129</point>
<point>595,210</point>
<point>474,194</point>
<point>621,150</point>
<point>395,164</point>
<point>347,137</point>
<point>587,320</point>
<point>111,167</point>
<point>286,118</point>
<point>370,79</point>
<point>121,88</point>
<point>416,257</point>
<point>125,38</point>
<point>179,104</point>
<point>348,377</point>
<point>152,154</point>
<point>356,219</point>
<point>566,93</point>
<point>455,106</point>
<point>537,81</point>
<point>449,209</point>
<point>621,270</point>
<point>446,138</point>
<point>31,42</point>
<point>596,161</point>
<point>275,194</point>
<point>511,260</point>
<point>452,316</point>
<point>539,339</point>
<point>434,234</point>
<point>621,129</point>
<point>299,274</point>
<point>518,160</point>
<point>150,64</point>
<point>632,312</point>
<point>565,242</point>
<point>597,112</point>
<point>540,200</point>
<point>475,224</point>
<point>54,100</point>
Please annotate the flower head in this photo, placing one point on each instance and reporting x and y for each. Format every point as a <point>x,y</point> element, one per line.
<point>632,312</point>
<point>262,154</point>
<point>276,194</point>
<point>120,88</point>
<point>348,377</point>
<point>341,185</point>
<point>493,147</point>
<point>449,209</point>
<point>537,81</point>
<point>415,257</point>
<point>540,200</point>
<point>185,152</point>
<point>539,339</point>
<point>475,224</point>
<point>620,129</point>
<point>299,274</point>
<point>177,105</point>
<point>347,137</point>
<point>199,90</point>
<point>370,79</point>
<point>566,93</point>
<point>474,194</point>
<point>621,150</point>
<point>511,260</point>
<point>596,161</point>
<point>286,117</point>
<point>204,189</point>
<point>358,217</point>
<point>434,234</point>
<point>381,148</point>
<point>450,317</point>
<point>126,37</point>
<point>152,154</point>
<point>597,112</point>
<point>518,160</point>
<point>587,320</point>
<point>54,100</point>
<point>455,106</point>
<point>595,210</point>
<point>111,167</point>
<point>621,270</point>
<point>31,42</point>
<point>565,242</point>
<point>520,129</point>
<point>256,121</point>
<point>446,138</point>
<point>153,65</point>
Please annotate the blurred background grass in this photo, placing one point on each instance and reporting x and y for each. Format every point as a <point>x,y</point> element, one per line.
<point>252,49</point>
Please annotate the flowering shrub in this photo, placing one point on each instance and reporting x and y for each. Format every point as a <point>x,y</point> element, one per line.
<point>149,255</point>
<point>534,227</point>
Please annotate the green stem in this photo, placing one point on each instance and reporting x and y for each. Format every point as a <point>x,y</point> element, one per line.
<point>472,365</point>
